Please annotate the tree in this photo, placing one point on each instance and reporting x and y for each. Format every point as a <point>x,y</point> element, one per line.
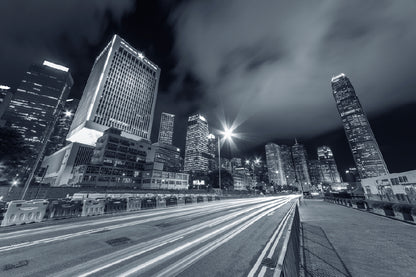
<point>227,181</point>
<point>13,152</point>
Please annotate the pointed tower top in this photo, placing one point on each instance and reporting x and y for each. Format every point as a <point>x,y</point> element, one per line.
<point>296,141</point>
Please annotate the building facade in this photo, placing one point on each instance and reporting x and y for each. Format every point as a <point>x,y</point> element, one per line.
<point>330,173</point>
<point>169,156</point>
<point>57,139</point>
<point>395,187</point>
<point>280,167</point>
<point>212,152</point>
<point>196,145</point>
<point>5,98</point>
<point>364,147</point>
<point>300,161</point>
<point>36,105</point>
<point>167,122</point>
<point>120,92</point>
<point>58,167</point>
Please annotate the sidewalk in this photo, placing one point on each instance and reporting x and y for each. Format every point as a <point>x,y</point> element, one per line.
<point>338,241</point>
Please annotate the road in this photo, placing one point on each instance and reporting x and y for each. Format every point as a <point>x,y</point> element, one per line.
<point>222,238</point>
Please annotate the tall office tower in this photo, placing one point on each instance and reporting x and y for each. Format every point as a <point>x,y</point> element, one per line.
<point>37,103</point>
<point>328,166</point>
<point>274,164</point>
<point>120,92</point>
<point>315,172</point>
<point>5,98</point>
<point>58,137</point>
<point>212,152</point>
<point>166,128</point>
<point>280,165</point>
<point>364,147</point>
<point>196,145</point>
<point>300,160</point>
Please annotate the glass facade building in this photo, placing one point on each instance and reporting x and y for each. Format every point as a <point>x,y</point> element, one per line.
<point>37,103</point>
<point>280,165</point>
<point>120,92</point>
<point>364,147</point>
<point>330,173</point>
<point>167,122</point>
<point>300,161</point>
<point>196,145</point>
<point>57,139</point>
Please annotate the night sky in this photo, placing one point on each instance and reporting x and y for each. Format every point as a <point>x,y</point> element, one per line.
<point>264,66</point>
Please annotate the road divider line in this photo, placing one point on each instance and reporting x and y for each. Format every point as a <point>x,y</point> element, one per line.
<point>271,245</point>
<point>121,253</point>
<point>184,263</point>
<point>135,270</point>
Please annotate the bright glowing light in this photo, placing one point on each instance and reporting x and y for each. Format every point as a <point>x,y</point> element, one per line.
<point>56,66</point>
<point>14,183</point>
<point>211,136</point>
<point>247,161</point>
<point>337,77</point>
<point>257,161</point>
<point>202,118</point>
<point>228,133</point>
<point>4,87</point>
<point>68,113</point>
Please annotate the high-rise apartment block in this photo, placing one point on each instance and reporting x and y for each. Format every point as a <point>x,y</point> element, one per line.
<point>120,92</point>
<point>196,145</point>
<point>37,103</point>
<point>364,147</point>
<point>166,128</point>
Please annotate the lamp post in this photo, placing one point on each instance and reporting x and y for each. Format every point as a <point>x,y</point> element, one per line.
<point>228,133</point>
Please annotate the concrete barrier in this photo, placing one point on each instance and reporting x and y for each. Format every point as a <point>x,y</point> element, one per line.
<point>115,205</point>
<point>93,207</point>
<point>134,204</point>
<point>63,208</point>
<point>23,212</point>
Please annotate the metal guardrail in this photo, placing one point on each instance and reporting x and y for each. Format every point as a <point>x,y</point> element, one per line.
<point>288,264</point>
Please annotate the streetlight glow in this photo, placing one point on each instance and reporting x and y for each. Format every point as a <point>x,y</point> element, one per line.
<point>228,133</point>
<point>68,113</point>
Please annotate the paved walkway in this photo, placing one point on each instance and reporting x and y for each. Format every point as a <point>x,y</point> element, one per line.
<point>339,241</point>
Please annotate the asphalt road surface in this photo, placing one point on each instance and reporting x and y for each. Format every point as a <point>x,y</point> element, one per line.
<point>222,238</point>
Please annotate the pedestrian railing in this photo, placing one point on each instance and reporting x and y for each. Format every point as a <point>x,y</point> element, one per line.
<point>288,264</point>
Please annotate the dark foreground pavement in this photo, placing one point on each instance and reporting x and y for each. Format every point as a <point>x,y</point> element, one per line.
<point>338,241</point>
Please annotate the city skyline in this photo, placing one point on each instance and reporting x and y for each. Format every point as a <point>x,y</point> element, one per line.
<point>192,90</point>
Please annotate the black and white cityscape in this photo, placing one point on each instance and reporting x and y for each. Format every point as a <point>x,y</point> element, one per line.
<point>207,138</point>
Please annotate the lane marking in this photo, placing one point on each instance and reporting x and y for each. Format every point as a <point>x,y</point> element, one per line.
<point>187,245</point>
<point>178,267</point>
<point>181,233</point>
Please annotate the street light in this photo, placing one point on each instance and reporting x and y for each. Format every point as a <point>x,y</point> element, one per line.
<point>228,134</point>
<point>68,113</point>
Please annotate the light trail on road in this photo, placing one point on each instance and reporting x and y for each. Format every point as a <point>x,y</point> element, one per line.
<point>165,242</point>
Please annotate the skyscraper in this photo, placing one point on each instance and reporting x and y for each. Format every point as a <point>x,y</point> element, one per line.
<point>364,147</point>
<point>280,165</point>
<point>274,164</point>
<point>37,103</point>
<point>328,166</point>
<point>61,129</point>
<point>120,92</point>
<point>212,152</point>
<point>5,98</point>
<point>196,145</point>
<point>166,128</point>
<point>300,160</point>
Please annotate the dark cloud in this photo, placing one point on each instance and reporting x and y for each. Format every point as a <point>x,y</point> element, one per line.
<point>269,63</point>
<point>61,31</point>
